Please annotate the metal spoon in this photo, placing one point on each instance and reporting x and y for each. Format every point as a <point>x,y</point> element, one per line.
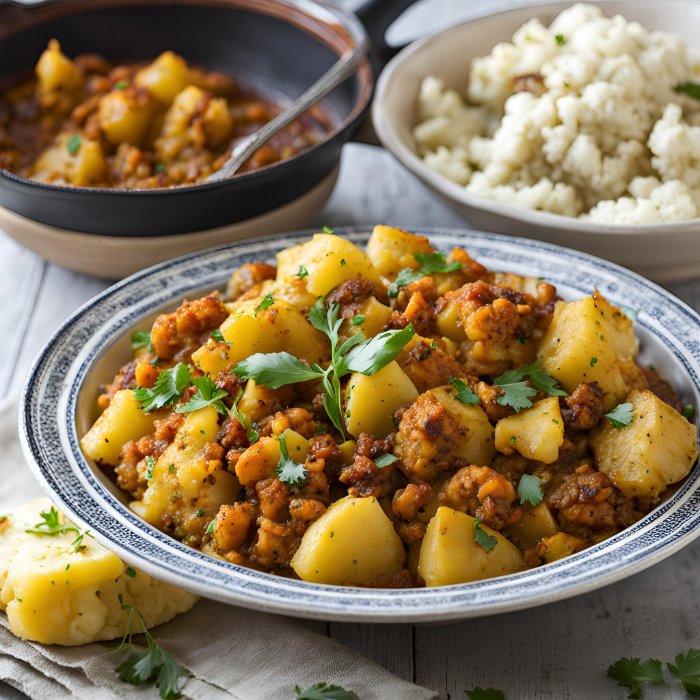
<point>340,70</point>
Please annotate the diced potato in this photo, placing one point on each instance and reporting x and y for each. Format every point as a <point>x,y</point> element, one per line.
<point>657,449</point>
<point>279,328</point>
<point>352,543</point>
<point>260,460</point>
<point>372,400</point>
<point>536,432</point>
<point>258,402</point>
<point>123,420</point>
<point>377,317</point>
<point>55,595</point>
<point>330,260</point>
<point>391,250</point>
<point>449,554</point>
<point>165,77</point>
<point>449,322</point>
<point>125,116</point>
<point>217,122</point>
<point>86,167</point>
<point>60,81</point>
<point>535,523</point>
<point>347,450</point>
<point>586,342</point>
<point>559,546</point>
<point>477,445</point>
<point>184,481</point>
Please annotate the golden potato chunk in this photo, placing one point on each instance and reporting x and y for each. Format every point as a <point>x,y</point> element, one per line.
<point>450,555</point>
<point>391,250</point>
<point>280,327</point>
<point>536,432</point>
<point>372,318</point>
<point>125,116</point>
<point>260,460</point>
<point>372,400</point>
<point>74,159</point>
<point>657,449</point>
<point>559,546</point>
<point>123,420</point>
<point>352,543</point>
<point>535,523</point>
<point>588,341</point>
<point>329,260</point>
<point>60,81</point>
<point>167,76</point>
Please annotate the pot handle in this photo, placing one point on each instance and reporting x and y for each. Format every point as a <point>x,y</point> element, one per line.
<point>377,16</point>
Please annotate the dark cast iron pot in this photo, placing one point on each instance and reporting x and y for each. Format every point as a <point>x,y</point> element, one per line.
<point>282,46</point>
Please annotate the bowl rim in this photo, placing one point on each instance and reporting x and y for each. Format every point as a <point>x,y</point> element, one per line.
<point>320,15</point>
<point>390,139</point>
<point>48,433</point>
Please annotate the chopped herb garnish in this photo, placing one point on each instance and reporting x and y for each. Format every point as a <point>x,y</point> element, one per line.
<point>266,303</point>
<point>516,392</point>
<point>141,339</point>
<point>121,85</point>
<point>167,390</point>
<point>631,674</point>
<point>560,40</point>
<point>522,339</point>
<point>464,393</point>
<point>482,538</point>
<point>343,263</point>
<point>529,489</point>
<point>593,361</point>
<point>358,320</point>
<point>288,471</point>
<point>688,411</point>
<point>302,272</point>
<point>690,89</point>
<point>328,230</point>
<point>150,465</point>
<point>130,572</point>
<point>324,691</point>
<point>386,459</point>
<point>73,144</point>
<point>430,263</point>
<point>201,513</point>
<point>50,525</point>
<point>219,337</point>
<point>621,416</point>
<point>513,439</point>
<point>208,394</point>
<point>77,543</point>
<point>160,167</point>
<point>251,432</point>
<point>210,527</point>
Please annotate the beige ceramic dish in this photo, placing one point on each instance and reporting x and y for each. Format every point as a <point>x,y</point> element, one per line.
<point>115,257</point>
<point>663,252</point>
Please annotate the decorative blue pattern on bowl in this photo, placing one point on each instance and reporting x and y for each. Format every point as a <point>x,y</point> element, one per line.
<point>669,333</point>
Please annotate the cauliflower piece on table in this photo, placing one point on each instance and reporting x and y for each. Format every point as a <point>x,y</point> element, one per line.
<point>58,592</point>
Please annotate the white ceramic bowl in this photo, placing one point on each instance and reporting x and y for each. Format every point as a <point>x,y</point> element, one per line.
<point>58,406</point>
<point>662,252</point>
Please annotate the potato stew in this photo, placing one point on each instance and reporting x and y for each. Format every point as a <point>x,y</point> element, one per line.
<point>390,418</point>
<point>89,123</point>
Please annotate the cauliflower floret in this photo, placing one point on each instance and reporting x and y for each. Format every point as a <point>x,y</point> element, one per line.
<point>454,163</point>
<point>58,592</point>
<point>676,147</point>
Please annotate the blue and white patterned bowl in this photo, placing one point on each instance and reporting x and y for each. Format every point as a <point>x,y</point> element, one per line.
<point>58,405</point>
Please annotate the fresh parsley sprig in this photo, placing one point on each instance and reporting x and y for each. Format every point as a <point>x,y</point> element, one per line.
<point>357,354</point>
<point>430,264</point>
<point>288,471</point>
<point>167,390</point>
<point>50,525</point>
<point>622,415</point>
<point>516,392</point>
<point>324,691</point>
<point>208,394</point>
<point>482,538</point>
<point>148,663</point>
<point>631,674</point>
<point>529,489</point>
<point>464,393</point>
<point>687,670</point>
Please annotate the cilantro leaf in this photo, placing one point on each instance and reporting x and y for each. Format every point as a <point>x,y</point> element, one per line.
<point>73,144</point>
<point>430,263</point>
<point>630,673</point>
<point>77,543</point>
<point>560,39</point>
<point>517,393</point>
<point>358,320</point>
<point>276,369</point>
<point>288,471</point>
<point>323,691</point>
<point>326,321</point>
<point>265,304</point>
<point>529,489</point>
<point>328,230</point>
<point>541,380</point>
<point>482,538</point>
<point>219,337</point>
<point>141,339</point>
<point>621,416</point>
<point>687,668</point>
<point>167,390</point>
<point>464,393</point>
<point>690,89</point>
<point>487,694</point>
<point>386,459</point>
<point>208,394</point>
<point>302,272</point>
<point>374,354</point>
<point>50,525</point>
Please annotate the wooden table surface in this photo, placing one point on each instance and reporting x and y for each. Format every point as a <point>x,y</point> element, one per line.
<point>559,651</point>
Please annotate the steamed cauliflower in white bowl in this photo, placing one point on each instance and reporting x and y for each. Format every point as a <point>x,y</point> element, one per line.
<point>590,117</point>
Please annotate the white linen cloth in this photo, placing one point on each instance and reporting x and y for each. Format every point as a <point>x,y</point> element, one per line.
<point>233,653</point>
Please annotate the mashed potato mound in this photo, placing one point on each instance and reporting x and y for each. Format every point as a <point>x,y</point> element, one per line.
<point>580,118</point>
<point>55,595</point>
